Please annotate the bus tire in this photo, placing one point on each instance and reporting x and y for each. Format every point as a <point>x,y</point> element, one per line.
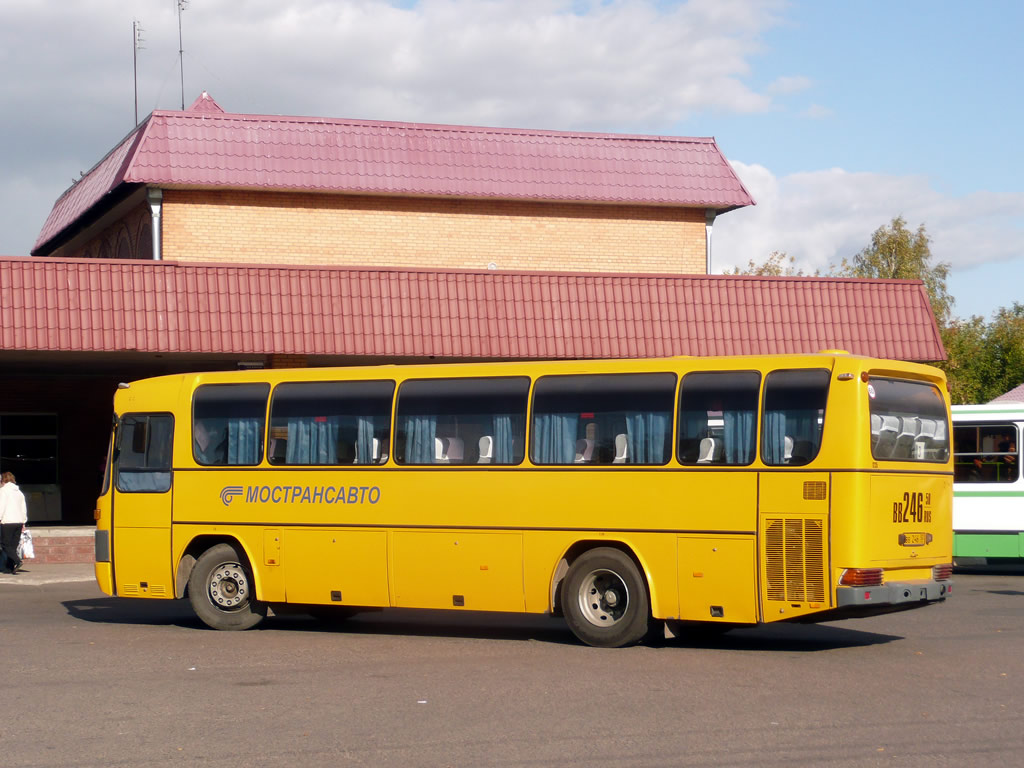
<point>604,598</point>
<point>222,592</point>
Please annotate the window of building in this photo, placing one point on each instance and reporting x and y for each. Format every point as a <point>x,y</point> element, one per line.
<point>28,447</point>
<point>986,453</point>
<point>227,424</point>
<point>794,416</point>
<point>330,422</point>
<point>144,453</point>
<point>603,419</point>
<point>461,421</point>
<point>718,418</point>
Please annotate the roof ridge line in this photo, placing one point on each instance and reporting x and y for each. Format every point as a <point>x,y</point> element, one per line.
<point>434,127</point>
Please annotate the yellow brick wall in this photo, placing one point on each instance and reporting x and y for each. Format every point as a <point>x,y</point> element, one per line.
<point>298,228</point>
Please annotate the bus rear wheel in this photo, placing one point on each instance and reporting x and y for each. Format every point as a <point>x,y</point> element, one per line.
<point>221,590</point>
<point>604,598</point>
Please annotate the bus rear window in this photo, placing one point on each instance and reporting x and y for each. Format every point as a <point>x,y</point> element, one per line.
<point>908,421</point>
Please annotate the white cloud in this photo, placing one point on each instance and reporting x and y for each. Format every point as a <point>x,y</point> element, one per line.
<point>820,217</point>
<point>789,84</point>
<point>618,65</point>
<point>534,62</point>
<point>817,112</point>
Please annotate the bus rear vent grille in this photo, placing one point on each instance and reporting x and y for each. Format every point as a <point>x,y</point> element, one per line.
<point>129,589</point>
<point>795,559</point>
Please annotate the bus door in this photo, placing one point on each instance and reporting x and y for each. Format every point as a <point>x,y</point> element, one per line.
<point>141,515</point>
<point>793,497</point>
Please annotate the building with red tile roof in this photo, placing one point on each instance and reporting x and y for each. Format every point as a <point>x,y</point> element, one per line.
<point>225,187</point>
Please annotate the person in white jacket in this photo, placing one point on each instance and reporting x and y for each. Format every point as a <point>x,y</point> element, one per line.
<point>13,516</point>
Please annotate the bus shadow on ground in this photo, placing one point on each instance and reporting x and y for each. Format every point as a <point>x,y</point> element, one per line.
<point>127,610</point>
<point>799,638</point>
<point>792,638</point>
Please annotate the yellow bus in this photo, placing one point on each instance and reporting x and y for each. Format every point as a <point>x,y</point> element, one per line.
<point>626,495</point>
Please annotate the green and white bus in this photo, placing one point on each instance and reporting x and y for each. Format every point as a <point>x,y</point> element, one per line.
<point>988,490</point>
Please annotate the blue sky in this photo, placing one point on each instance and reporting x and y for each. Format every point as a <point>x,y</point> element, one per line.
<point>838,116</point>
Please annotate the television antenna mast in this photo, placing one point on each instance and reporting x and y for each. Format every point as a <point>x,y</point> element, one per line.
<point>182,4</point>
<point>137,45</point>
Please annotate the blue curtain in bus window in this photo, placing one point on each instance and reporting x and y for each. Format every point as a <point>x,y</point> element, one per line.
<point>693,425</point>
<point>507,428</point>
<point>774,437</point>
<point>738,436</point>
<point>554,437</point>
<point>420,432</point>
<point>364,440</point>
<point>244,437</point>
<point>802,426</point>
<point>313,440</point>
<point>645,437</point>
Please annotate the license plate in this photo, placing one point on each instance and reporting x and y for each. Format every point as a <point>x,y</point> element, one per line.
<point>915,539</point>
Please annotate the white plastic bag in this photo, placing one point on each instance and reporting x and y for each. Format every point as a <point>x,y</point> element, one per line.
<point>25,547</point>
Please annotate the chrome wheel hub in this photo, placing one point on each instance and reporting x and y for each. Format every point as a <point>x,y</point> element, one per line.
<point>229,587</point>
<point>603,598</point>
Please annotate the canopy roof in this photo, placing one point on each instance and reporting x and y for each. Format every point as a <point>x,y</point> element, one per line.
<point>117,305</point>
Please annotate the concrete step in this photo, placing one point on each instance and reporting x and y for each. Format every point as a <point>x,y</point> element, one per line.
<point>63,544</point>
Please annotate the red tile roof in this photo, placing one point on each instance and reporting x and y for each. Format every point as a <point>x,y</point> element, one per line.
<point>170,307</point>
<point>207,147</point>
<point>1015,395</point>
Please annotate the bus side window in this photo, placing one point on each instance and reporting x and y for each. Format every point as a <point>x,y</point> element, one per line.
<point>718,418</point>
<point>622,418</point>
<point>227,424</point>
<point>985,453</point>
<point>794,416</point>
<point>330,422</point>
<point>144,453</point>
<point>445,421</point>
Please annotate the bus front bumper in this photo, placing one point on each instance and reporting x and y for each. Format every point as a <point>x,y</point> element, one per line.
<point>105,578</point>
<point>893,593</point>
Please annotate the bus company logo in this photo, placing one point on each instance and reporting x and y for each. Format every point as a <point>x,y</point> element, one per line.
<point>228,493</point>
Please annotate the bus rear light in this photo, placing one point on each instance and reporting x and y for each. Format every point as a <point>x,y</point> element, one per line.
<point>861,577</point>
<point>943,572</point>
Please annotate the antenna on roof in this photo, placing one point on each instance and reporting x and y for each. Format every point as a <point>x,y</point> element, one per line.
<point>137,45</point>
<point>182,4</point>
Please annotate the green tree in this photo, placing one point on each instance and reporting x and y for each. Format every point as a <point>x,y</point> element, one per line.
<point>1006,344</point>
<point>968,364</point>
<point>778,264</point>
<point>984,359</point>
<point>896,253</point>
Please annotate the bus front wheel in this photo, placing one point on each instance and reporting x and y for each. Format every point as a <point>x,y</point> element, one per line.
<point>221,590</point>
<point>605,599</point>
